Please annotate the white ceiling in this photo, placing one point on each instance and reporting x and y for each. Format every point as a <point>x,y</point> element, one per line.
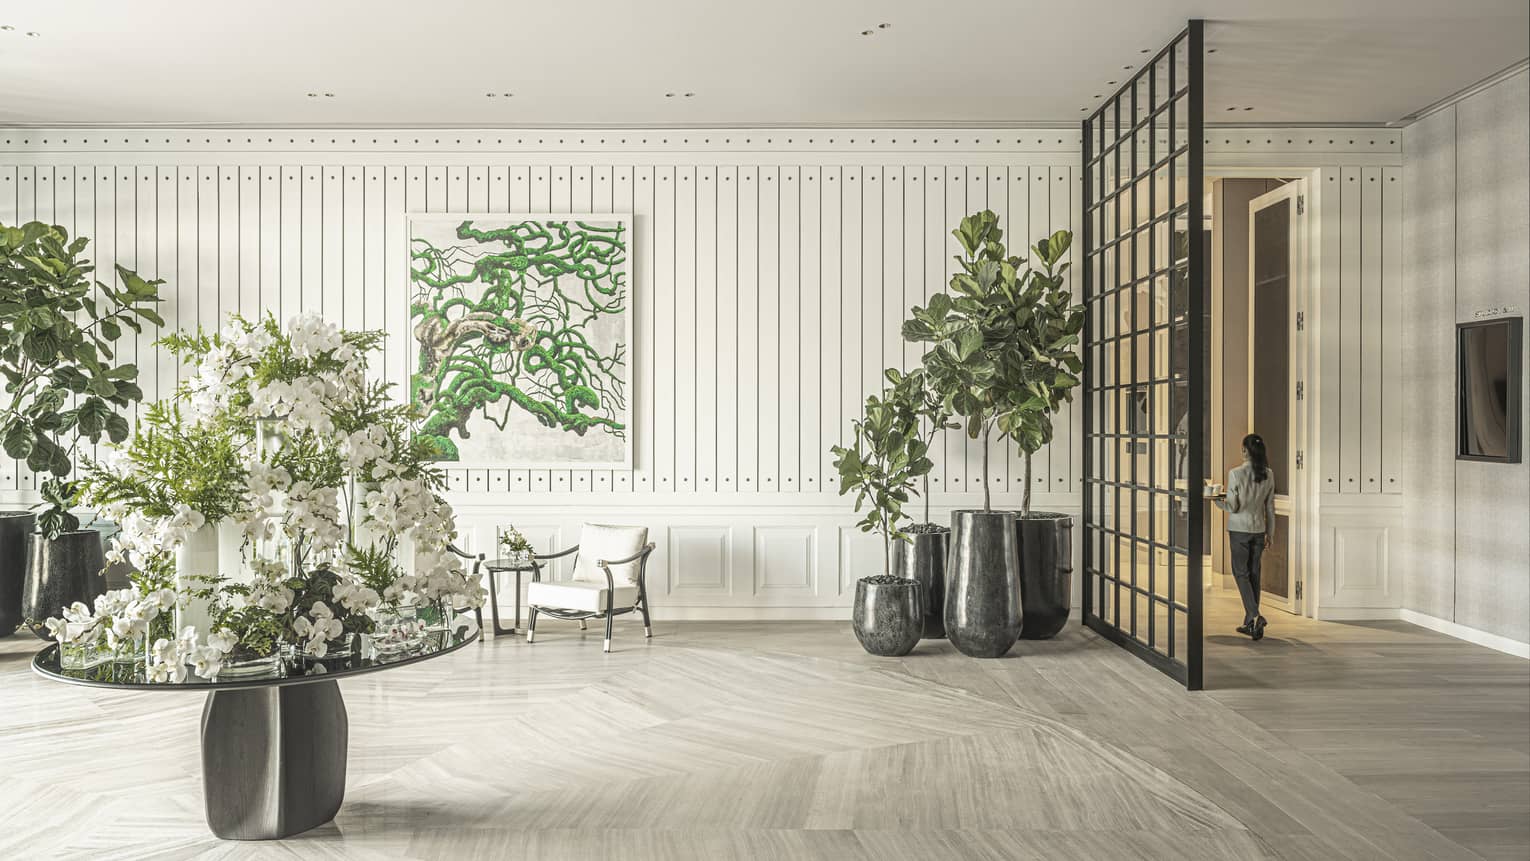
<point>785,62</point>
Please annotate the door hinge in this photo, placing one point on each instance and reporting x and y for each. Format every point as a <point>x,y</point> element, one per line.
<point>1298,459</point>
<point>1298,590</point>
<point>1301,321</point>
<point>1299,392</point>
<point>1301,204</point>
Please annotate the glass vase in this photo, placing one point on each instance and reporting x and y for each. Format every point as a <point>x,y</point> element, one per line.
<point>244,663</point>
<point>434,615</point>
<point>398,631</point>
<point>83,656</point>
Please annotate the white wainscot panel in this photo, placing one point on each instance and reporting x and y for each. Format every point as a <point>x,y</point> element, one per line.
<point>700,562</point>
<point>785,563</point>
<point>1359,572</point>
<point>860,555</point>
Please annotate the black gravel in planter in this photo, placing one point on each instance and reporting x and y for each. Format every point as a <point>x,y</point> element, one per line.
<point>926,529</point>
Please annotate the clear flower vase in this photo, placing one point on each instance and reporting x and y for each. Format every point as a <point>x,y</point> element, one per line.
<point>83,656</point>
<point>245,664</point>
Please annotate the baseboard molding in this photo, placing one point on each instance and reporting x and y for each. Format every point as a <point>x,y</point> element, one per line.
<point>1357,614</point>
<point>1462,632</point>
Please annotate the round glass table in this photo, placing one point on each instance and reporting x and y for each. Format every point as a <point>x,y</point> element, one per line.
<point>273,747</point>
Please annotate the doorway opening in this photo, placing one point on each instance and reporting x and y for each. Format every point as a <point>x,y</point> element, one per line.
<point>1258,231</point>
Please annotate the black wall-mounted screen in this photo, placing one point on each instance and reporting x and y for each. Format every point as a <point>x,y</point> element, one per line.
<point>1488,387</point>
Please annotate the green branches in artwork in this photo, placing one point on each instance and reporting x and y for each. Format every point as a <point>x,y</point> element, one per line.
<point>520,318</point>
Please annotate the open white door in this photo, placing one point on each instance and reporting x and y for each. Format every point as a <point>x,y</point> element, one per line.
<point>1278,372</point>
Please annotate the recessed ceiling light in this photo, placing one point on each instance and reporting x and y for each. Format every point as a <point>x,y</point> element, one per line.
<point>689,95</point>
<point>868,32</point>
<point>329,95</point>
<point>1233,108</point>
<point>1211,50</point>
<point>1146,51</point>
<point>33,33</point>
<point>6,27</point>
<point>1248,109</point>
<point>1110,83</point>
<point>884,26</point>
<point>669,95</point>
<point>313,95</point>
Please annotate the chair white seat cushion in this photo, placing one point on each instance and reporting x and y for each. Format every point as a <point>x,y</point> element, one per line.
<point>580,595</point>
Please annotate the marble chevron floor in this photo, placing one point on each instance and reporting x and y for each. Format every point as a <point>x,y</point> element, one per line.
<point>746,740</point>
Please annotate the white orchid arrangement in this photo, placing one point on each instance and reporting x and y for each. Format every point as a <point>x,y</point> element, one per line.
<point>118,616</point>
<point>325,512</point>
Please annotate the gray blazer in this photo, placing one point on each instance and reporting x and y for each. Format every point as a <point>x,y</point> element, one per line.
<point>1250,505</point>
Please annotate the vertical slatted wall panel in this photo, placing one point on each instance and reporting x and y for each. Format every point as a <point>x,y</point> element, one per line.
<point>768,298</point>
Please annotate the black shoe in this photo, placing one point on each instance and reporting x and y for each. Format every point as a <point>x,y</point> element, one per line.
<point>1258,632</point>
<point>1246,628</point>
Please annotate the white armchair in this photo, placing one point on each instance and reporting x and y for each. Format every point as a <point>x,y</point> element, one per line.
<point>609,566</point>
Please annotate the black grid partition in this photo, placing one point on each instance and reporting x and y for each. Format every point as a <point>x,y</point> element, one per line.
<point>1145,370</point>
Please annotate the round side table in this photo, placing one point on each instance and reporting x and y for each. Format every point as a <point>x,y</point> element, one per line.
<point>517,565</point>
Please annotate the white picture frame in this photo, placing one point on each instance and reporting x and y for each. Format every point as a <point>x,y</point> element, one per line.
<point>511,436</point>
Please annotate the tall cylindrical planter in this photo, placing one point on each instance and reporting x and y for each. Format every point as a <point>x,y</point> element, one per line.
<point>1046,572</point>
<point>59,572</point>
<point>922,558</point>
<point>983,584</point>
<point>15,526</point>
<point>888,615</point>
<point>197,558</point>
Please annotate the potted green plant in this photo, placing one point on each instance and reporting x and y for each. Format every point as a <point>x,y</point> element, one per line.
<point>62,384</point>
<point>922,554</point>
<point>1038,371</point>
<point>886,455</point>
<point>1000,362</point>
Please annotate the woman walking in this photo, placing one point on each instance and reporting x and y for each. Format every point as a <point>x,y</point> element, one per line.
<point>1250,506</point>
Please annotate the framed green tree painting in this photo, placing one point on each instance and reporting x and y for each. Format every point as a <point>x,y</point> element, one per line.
<point>521,338</point>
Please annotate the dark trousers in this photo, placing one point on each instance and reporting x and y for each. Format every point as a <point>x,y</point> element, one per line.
<point>1247,547</point>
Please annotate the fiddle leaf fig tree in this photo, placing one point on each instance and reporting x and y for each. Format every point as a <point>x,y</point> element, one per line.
<point>1003,340</point>
<point>886,456</point>
<point>62,380</point>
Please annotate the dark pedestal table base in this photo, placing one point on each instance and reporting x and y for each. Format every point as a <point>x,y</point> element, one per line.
<point>273,759</point>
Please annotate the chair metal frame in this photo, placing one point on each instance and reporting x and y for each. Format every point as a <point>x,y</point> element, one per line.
<point>477,611</point>
<point>611,611</point>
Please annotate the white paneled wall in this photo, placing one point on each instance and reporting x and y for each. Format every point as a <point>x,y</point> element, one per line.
<point>772,269</point>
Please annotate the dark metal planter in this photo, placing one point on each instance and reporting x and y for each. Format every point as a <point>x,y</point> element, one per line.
<point>923,559</point>
<point>1046,572</point>
<point>14,528</point>
<point>888,617</point>
<point>983,584</point>
<point>60,572</point>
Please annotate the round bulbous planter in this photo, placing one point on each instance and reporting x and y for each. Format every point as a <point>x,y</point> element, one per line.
<point>922,558</point>
<point>983,616</point>
<point>15,526</point>
<point>59,572</point>
<point>888,615</point>
<point>1045,541</point>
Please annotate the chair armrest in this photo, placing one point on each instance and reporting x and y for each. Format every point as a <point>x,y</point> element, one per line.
<point>476,557</point>
<point>647,549</point>
<point>605,565</point>
<point>543,557</point>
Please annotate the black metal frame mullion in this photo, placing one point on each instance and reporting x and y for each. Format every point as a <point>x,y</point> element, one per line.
<point>1111,426</point>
